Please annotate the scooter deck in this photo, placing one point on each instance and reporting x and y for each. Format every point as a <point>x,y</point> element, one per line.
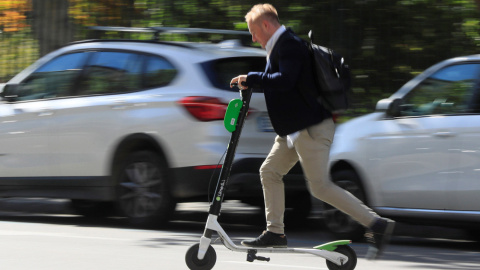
<point>325,251</point>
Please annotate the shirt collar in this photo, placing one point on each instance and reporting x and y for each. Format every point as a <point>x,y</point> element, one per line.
<point>273,39</point>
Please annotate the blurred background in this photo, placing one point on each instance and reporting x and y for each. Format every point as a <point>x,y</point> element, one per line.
<point>386,43</point>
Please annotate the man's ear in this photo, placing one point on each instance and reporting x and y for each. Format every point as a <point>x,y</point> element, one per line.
<point>265,25</point>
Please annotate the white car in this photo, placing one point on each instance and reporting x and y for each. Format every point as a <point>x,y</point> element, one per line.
<point>135,124</point>
<point>417,157</point>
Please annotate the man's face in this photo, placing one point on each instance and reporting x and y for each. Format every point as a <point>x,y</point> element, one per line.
<point>259,33</point>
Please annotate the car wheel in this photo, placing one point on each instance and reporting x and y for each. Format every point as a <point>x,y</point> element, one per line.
<point>143,190</point>
<point>340,224</point>
<point>92,209</point>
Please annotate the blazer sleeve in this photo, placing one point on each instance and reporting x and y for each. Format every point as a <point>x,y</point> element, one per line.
<point>290,56</point>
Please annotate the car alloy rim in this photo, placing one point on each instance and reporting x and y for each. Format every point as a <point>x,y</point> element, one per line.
<point>143,183</point>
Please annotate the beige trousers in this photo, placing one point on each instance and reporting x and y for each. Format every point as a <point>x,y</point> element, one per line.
<point>312,148</point>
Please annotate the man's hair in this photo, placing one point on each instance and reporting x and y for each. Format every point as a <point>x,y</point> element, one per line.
<point>265,11</point>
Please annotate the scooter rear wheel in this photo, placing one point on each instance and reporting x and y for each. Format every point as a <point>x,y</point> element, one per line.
<point>193,263</point>
<point>352,259</point>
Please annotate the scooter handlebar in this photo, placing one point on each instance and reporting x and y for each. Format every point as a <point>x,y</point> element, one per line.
<point>243,92</point>
<point>236,84</point>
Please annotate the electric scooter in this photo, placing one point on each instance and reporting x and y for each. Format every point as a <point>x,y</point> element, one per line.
<point>202,256</point>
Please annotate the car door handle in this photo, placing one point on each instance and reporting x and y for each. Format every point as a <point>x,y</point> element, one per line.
<point>444,134</point>
<point>119,105</point>
<point>45,113</point>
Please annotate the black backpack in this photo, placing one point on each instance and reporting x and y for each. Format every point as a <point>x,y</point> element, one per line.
<point>332,77</point>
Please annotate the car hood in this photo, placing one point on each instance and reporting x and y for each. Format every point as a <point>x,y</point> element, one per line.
<point>358,126</point>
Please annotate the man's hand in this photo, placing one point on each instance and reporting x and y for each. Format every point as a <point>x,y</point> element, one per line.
<point>239,79</point>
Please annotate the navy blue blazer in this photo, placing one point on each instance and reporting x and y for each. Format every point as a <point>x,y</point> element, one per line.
<point>289,86</point>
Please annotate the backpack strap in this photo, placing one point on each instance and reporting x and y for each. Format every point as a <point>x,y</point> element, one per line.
<point>314,69</point>
<point>310,36</point>
<point>306,96</point>
<point>312,57</point>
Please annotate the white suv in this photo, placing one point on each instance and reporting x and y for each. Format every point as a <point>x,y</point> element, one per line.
<point>134,124</point>
<point>417,157</point>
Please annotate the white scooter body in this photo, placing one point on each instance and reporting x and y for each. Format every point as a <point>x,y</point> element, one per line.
<point>202,256</point>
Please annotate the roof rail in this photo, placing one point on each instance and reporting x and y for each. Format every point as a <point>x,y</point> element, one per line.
<point>183,45</point>
<point>172,30</point>
<point>121,29</point>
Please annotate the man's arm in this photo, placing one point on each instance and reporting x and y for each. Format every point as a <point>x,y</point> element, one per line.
<point>291,58</point>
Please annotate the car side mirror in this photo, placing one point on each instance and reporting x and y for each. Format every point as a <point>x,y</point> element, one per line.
<point>395,109</point>
<point>392,107</point>
<point>9,92</point>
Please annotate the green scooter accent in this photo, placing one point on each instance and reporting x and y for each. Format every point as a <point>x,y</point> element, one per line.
<point>331,246</point>
<point>231,115</point>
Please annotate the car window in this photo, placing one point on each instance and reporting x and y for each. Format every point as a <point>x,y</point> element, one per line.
<point>221,71</point>
<point>158,72</point>
<point>112,72</point>
<point>448,91</point>
<point>54,79</point>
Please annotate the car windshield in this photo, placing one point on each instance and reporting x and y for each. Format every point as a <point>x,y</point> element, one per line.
<point>221,71</point>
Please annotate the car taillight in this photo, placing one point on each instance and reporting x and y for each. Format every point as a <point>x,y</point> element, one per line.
<point>206,108</point>
<point>334,117</point>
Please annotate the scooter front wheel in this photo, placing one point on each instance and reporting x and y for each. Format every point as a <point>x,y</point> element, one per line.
<point>352,259</point>
<point>193,263</point>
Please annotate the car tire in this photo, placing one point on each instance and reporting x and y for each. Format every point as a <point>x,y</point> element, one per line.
<point>339,223</point>
<point>143,190</point>
<point>92,209</point>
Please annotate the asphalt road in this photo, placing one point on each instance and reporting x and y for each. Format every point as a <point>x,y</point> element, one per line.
<point>45,234</point>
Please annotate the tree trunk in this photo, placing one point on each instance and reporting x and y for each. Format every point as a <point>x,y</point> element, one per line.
<point>51,25</point>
